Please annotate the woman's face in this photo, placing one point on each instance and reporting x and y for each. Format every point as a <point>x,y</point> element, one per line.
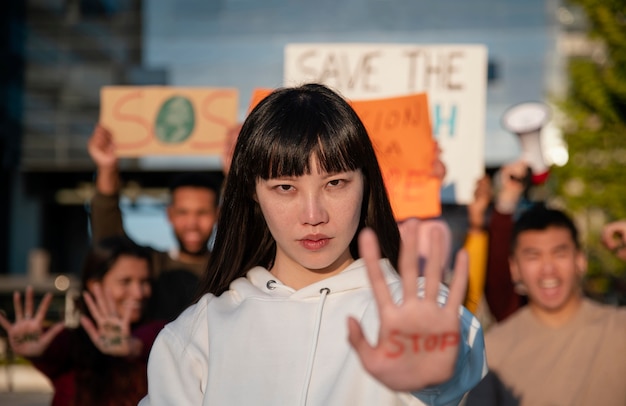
<point>313,219</point>
<point>127,283</point>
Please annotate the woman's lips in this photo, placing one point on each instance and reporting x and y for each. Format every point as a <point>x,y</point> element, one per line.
<point>314,243</point>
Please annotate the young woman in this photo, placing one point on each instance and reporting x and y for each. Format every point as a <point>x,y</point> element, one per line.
<point>105,362</point>
<point>289,315</point>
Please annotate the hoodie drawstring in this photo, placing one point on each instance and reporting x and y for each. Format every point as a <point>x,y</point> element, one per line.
<point>318,323</point>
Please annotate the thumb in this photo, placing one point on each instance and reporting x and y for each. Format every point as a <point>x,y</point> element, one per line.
<point>357,339</point>
<point>52,332</point>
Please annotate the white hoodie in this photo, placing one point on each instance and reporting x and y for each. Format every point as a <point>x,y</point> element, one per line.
<point>264,343</point>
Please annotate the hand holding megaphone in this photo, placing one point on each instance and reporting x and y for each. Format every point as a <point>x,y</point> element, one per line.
<point>513,182</point>
<point>526,121</point>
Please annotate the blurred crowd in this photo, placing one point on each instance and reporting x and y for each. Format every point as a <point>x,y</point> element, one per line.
<point>546,342</point>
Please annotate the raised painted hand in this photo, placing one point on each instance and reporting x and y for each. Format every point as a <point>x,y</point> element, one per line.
<point>111,331</point>
<point>418,341</point>
<point>27,336</point>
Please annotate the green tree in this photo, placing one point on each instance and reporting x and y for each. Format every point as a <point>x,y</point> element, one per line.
<point>593,183</point>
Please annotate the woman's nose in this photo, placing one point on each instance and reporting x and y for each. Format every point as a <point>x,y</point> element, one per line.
<point>137,291</point>
<point>314,210</point>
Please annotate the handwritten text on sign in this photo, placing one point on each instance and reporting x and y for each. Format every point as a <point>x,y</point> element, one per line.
<point>399,128</point>
<point>161,120</point>
<point>453,76</point>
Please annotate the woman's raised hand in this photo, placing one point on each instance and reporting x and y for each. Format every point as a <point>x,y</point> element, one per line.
<point>111,331</point>
<point>418,341</point>
<point>26,335</point>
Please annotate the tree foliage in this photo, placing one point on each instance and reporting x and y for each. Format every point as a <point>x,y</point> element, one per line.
<point>593,183</point>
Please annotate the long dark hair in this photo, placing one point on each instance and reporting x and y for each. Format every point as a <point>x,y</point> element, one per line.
<point>278,139</point>
<point>102,379</point>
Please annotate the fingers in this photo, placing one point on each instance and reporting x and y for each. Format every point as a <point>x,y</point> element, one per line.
<point>101,136</point>
<point>43,308</point>
<point>357,339</point>
<point>93,308</point>
<point>408,261</point>
<point>370,252</point>
<point>5,323</point>
<point>17,305</point>
<point>434,265</point>
<point>458,287</point>
<point>614,234</point>
<point>28,311</point>
<point>101,147</point>
<point>52,332</point>
<point>91,330</point>
<point>102,302</point>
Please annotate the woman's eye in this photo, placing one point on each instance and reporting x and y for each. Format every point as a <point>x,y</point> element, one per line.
<point>284,188</point>
<point>335,182</point>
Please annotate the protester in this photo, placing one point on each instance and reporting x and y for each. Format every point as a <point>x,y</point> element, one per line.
<point>562,348</point>
<point>288,311</point>
<point>104,362</point>
<point>502,296</point>
<point>192,213</point>
<point>476,245</point>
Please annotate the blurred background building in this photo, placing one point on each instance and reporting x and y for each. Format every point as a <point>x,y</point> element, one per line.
<point>58,53</point>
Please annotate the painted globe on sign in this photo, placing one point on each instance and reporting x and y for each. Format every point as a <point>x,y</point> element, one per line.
<point>175,121</point>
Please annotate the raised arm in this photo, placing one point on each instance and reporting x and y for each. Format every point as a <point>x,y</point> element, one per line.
<point>499,288</point>
<point>106,217</point>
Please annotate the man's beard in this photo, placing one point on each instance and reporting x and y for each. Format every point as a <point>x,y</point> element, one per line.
<point>203,250</point>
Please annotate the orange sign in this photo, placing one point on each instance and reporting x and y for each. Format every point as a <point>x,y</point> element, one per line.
<point>257,96</point>
<point>400,130</point>
<point>165,120</point>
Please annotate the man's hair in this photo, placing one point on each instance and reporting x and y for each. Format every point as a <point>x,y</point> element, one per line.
<point>207,180</point>
<point>539,218</point>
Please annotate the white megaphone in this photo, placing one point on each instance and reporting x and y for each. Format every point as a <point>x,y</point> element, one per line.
<point>526,120</point>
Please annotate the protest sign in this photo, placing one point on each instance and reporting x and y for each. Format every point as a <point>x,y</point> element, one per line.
<point>399,128</point>
<point>453,76</point>
<point>164,120</point>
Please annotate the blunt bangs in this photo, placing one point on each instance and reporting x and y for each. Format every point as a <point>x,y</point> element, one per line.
<point>297,126</point>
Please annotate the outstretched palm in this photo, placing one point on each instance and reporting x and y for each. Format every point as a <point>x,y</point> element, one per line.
<point>418,341</point>
<point>26,335</point>
<point>111,331</point>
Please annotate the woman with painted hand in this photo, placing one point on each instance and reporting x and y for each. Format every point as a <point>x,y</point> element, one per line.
<point>105,361</point>
<point>290,315</point>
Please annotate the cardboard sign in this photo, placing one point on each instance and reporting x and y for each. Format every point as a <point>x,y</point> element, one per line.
<point>400,131</point>
<point>162,120</point>
<point>453,76</point>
